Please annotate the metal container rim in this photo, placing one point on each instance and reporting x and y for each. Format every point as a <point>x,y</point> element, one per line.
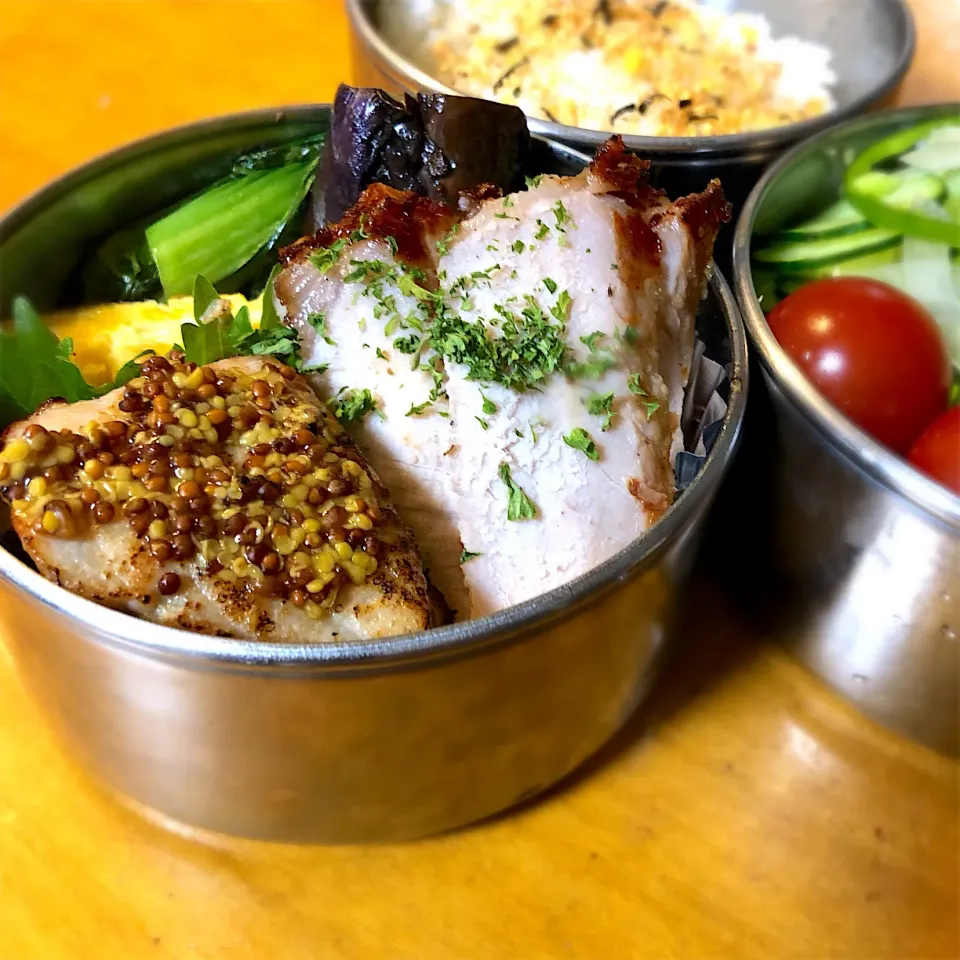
<point>879,463</point>
<point>512,625</point>
<point>732,144</point>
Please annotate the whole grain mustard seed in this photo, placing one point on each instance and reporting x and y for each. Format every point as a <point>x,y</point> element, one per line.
<point>233,477</point>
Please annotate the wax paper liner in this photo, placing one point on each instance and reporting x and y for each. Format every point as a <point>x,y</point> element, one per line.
<point>704,407</point>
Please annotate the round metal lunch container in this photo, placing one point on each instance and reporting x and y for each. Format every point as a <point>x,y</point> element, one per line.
<point>866,576</point>
<point>873,42</point>
<point>333,743</point>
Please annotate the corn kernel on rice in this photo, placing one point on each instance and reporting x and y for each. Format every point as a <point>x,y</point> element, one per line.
<point>651,67</point>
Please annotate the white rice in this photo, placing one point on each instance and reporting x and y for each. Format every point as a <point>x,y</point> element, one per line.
<point>743,78</point>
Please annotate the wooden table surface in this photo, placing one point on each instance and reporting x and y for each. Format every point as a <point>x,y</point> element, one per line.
<point>744,814</point>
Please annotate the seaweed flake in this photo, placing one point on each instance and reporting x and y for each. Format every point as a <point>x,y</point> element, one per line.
<point>505,46</point>
<point>647,103</point>
<point>602,9</point>
<point>683,104</point>
<point>522,62</point>
<point>586,41</point>
<point>550,116</point>
<point>698,118</point>
<point>617,114</point>
<point>656,11</point>
<point>550,20</point>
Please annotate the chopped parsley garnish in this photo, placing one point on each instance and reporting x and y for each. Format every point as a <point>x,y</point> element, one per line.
<point>368,271</point>
<point>579,439</point>
<point>590,340</point>
<point>633,382</point>
<point>381,355</point>
<point>542,230</point>
<point>386,305</point>
<point>351,405</point>
<point>528,350</point>
<point>519,505</point>
<point>319,323</point>
<point>551,285</point>
<point>480,274</point>
<point>563,218</point>
<point>408,345</point>
<point>518,246</point>
<point>324,259</point>
<point>507,202</point>
<point>483,423</point>
<point>466,556</point>
<point>506,216</point>
<point>392,243</point>
<point>282,343</point>
<point>489,406</point>
<point>534,181</point>
<point>601,405</point>
<point>409,286</point>
<point>444,244</point>
<point>561,307</point>
<point>597,365</point>
<point>417,408</point>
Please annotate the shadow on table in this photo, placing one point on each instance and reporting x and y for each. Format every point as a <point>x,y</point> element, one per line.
<point>711,641</point>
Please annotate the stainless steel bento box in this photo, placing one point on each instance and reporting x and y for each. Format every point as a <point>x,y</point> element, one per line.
<point>873,43</point>
<point>866,550</point>
<point>334,743</point>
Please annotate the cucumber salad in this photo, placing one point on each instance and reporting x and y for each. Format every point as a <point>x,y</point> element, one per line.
<point>865,294</point>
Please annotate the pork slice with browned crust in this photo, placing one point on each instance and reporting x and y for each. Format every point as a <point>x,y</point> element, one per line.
<point>358,294</point>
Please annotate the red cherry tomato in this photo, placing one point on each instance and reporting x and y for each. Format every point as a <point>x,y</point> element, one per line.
<point>937,452</point>
<point>872,351</point>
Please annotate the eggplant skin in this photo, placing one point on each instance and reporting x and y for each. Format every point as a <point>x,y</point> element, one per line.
<point>434,145</point>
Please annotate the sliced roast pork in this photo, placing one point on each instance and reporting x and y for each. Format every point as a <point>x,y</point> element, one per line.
<point>555,329</point>
<point>580,441</point>
<point>359,296</point>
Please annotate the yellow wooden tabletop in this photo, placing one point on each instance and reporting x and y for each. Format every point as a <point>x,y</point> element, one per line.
<point>744,814</point>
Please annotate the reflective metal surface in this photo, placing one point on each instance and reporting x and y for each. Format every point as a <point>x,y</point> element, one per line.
<point>872,41</point>
<point>334,743</point>
<point>867,550</point>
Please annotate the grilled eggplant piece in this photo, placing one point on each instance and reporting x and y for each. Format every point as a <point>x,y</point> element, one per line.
<point>434,145</point>
<point>224,499</point>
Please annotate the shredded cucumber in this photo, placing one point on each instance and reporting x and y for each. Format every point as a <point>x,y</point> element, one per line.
<point>802,256</point>
<point>899,225</point>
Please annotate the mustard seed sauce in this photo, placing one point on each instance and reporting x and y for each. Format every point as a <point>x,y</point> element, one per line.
<point>245,472</point>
